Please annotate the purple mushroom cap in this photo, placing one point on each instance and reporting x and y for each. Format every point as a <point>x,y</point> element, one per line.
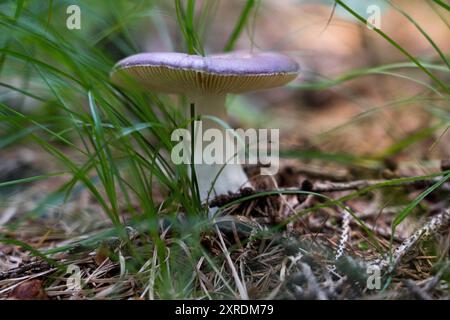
<point>226,64</point>
<point>235,72</point>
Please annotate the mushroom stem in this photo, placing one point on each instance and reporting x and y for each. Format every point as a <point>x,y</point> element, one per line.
<point>230,175</point>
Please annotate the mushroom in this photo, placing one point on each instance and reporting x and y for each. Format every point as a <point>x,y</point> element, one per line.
<point>206,81</point>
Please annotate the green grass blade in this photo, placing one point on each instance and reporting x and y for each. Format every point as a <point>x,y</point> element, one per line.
<point>33,251</point>
<point>32,179</point>
<point>442,4</point>
<point>408,209</point>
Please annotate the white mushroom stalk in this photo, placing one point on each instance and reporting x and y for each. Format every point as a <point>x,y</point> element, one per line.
<point>224,173</point>
<point>207,81</point>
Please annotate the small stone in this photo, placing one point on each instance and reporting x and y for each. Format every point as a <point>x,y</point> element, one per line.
<point>29,290</point>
